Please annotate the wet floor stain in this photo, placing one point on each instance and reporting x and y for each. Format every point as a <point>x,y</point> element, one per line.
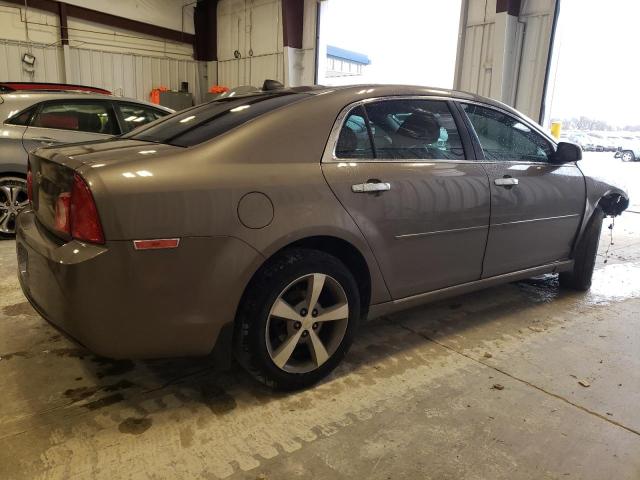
<point>9,356</point>
<point>614,283</point>
<point>110,367</point>
<point>18,309</point>
<point>104,402</point>
<point>218,401</point>
<point>82,393</point>
<point>135,426</point>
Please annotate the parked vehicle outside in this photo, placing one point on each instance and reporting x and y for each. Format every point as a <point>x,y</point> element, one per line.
<point>272,224</point>
<point>33,118</point>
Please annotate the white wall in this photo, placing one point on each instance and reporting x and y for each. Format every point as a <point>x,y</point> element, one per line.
<point>254,28</point>
<point>124,62</point>
<point>531,42</point>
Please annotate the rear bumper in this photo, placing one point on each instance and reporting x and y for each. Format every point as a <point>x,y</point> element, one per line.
<point>124,303</point>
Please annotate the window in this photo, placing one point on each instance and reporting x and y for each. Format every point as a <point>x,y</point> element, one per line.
<point>354,141</point>
<point>135,115</point>
<point>504,138</point>
<point>92,117</point>
<point>204,122</point>
<point>414,129</point>
<point>22,118</point>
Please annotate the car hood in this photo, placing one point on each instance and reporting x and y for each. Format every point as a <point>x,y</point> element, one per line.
<point>108,152</point>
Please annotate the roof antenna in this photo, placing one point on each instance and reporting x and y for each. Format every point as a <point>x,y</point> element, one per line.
<point>271,85</point>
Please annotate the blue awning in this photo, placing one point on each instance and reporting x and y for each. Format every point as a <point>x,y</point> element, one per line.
<point>348,55</point>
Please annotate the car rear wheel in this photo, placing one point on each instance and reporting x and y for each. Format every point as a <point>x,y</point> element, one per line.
<point>297,319</point>
<point>13,198</point>
<point>628,156</point>
<point>585,256</point>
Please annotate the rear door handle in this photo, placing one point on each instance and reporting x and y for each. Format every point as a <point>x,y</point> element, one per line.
<point>371,187</point>
<point>506,182</point>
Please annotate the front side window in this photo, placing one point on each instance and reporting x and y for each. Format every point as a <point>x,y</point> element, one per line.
<point>135,115</point>
<point>505,138</point>
<point>402,130</point>
<point>91,117</point>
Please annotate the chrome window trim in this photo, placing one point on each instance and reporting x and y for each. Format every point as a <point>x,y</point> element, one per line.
<point>329,154</point>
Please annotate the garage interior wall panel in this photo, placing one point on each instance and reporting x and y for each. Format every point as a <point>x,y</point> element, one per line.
<point>132,75</point>
<point>254,29</point>
<point>533,35</point>
<point>49,67</point>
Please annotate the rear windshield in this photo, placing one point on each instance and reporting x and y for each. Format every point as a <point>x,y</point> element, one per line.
<point>204,122</point>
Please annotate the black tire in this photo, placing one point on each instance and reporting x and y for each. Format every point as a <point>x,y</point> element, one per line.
<point>585,256</point>
<point>254,313</point>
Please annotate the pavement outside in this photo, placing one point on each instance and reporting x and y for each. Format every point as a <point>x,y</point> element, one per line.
<point>518,381</point>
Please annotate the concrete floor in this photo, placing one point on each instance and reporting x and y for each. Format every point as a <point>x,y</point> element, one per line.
<point>417,397</point>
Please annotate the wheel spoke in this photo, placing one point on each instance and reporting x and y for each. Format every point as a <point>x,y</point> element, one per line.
<point>4,223</point>
<point>282,355</point>
<point>14,192</point>
<point>314,289</point>
<point>283,310</point>
<point>318,351</point>
<point>339,312</point>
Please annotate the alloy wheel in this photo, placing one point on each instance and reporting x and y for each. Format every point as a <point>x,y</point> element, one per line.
<point>307,323</point>
<point>627,157</point>
<point>13,198</point>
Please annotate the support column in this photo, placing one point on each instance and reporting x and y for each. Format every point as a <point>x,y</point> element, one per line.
<point>506,47</point>
<point>64,41</point>
<point>292,29</point>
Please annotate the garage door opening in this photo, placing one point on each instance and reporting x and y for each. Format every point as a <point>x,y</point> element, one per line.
<point>376,41</point>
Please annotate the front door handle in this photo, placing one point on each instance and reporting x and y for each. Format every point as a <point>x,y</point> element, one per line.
<point>371,187</point>
<point>506,182</point>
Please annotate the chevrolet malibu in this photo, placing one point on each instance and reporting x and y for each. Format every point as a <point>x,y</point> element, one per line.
<point>274,223</point>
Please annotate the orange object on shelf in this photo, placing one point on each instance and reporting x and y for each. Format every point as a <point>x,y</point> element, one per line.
<point>154,96</point>
<point>218,89</point>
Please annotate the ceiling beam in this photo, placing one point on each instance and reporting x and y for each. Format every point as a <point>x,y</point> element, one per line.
<point>107,19</point>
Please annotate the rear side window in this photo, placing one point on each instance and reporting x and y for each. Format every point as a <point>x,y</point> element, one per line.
<point>134,115</point>
<point>354,140</point>
<point>401,130</point>
<point>199,124</point>
<point>92,117</point>
<point>22,118</point>
<point>505,138</point>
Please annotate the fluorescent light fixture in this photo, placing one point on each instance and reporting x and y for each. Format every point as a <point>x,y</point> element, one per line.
<point>129,175</point>
<point>240,108</point>
<point>187,119</point>
<point>130,118</point>
<point>146,152</point>
<point>138,119</point>
<point>144,173</point>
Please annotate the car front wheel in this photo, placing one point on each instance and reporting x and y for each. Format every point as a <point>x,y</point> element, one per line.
<point>628,156</point>
<point>297,319</point>
<point>13,198</point>
<point>585,255</point>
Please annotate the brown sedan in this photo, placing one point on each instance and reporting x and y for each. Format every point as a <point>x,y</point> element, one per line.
<point>275,222</point>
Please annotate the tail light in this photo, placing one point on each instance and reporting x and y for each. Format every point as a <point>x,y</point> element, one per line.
<point>29,183</point>
<point>77,215</point>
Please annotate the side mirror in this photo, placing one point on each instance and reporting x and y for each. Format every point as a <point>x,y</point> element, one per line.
<point>567,153</point>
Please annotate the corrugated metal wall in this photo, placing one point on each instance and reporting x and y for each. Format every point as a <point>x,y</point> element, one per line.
<point>254,29</point>
<point>533,40</point>
<point>48,68</point>
<point>124,74</point>
<point>132,75</point>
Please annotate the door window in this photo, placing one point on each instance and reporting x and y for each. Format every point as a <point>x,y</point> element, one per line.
<point>133,115</point>
<point>80,116</point>
<point>414,129</point>
<point>505,138</point>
